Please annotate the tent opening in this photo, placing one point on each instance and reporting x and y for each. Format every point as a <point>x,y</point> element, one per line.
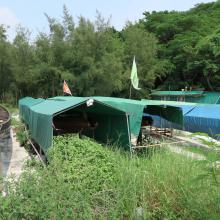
<point>148,128</point>
<point>74,122</point>
<point>100,122</point>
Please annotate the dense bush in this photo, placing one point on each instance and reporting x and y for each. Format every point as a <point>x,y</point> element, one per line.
<point>85,180</point>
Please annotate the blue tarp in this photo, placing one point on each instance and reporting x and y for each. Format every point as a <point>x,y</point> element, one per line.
<point>203,119</point>
<point>199,118</point>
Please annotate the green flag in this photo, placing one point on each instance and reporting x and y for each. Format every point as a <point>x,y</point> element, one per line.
<point>134,77</point>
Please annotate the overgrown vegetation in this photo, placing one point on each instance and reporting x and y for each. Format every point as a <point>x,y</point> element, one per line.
<point>11,108</point>
<point>21,133</point>
<point>85,180</point>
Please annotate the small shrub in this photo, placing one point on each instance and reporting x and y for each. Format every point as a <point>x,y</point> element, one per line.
<point>21,134</point>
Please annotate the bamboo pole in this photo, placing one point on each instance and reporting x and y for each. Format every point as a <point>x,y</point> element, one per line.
<point>153,145</point>
<point>39,155</point>
<point>36,151</point>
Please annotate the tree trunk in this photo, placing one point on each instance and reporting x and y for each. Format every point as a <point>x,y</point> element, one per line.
<point>209,83</point>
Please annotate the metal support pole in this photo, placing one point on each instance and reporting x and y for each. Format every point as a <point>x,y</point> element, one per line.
<point>129,134</point>
<point>1,169</point>
<point>130,92</point>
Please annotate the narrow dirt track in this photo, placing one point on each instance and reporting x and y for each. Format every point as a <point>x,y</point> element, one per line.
<point>13,156</point>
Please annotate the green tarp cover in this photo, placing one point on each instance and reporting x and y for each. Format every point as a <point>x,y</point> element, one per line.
<point>169,103</point>
<point>208,98</point>
<point>132,107</point>
<point>177,93</point>
<point>136,108</point>
<point>165,110</point>
<point>190,96</point>
<point>24,107</point>
<point>41,118</point>
<point>118,115</point>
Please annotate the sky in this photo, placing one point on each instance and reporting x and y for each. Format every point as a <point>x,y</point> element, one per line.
<point>30,13</point>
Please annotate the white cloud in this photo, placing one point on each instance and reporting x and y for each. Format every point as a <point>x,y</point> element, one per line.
<point>7,17</point>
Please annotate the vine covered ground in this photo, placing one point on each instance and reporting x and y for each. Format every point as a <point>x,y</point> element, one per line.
<point>85,180</point>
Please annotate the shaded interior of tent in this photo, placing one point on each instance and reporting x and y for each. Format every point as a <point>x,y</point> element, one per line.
<point>100,122</point>
<point>107,120</point>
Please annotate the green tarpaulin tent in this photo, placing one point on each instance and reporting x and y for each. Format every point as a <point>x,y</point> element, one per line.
<point>24,107</point>
<point>119,119</point>
<point>111,121</point>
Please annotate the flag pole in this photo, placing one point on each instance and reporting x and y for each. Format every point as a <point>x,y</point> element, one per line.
<point>130,91</point>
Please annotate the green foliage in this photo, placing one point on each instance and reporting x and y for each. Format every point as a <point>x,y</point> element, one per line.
<point>11,108</point>
<point>5,67</point>
<point>85,180</point>
<point>83,163</point>
<point>142,45</point>
<point>22,136</point>
<point>92,57</point>
<point>189,40</point>
<point>200,134</point>
<point>212,155</point>
<point>172,50</point>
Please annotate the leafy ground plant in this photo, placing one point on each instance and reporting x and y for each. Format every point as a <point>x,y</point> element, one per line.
<point>85,180</point>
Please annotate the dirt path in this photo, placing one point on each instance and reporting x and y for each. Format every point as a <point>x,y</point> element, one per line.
<point>12,155</point>
<point>186,153</point>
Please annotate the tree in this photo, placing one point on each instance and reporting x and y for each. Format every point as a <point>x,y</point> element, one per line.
<point>208,61</point>
<point>5,64</point>
<point>142,45</point>
<point>179,35</point>
<point>23,62</point>
<point>98,58</point>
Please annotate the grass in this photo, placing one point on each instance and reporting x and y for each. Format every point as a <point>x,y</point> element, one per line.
<point>211,155</point>
<point>11,108</point>
<point>85,180</point>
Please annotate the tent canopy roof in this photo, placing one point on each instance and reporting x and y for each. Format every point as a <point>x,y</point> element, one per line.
<point>41,117</point>
<point>177,93</point>
<point>132,107</point>
<point>41,113</point>
<point>54,106</point>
